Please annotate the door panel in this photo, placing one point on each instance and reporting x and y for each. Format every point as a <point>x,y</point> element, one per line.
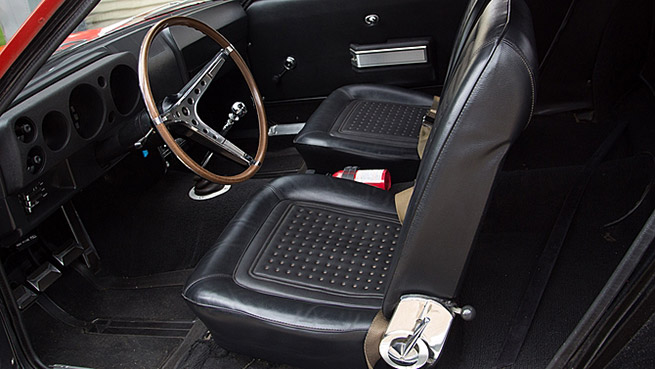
<point>320,33</point>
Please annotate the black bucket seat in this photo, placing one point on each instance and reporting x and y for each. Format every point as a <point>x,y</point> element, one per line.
<point>374,126</point>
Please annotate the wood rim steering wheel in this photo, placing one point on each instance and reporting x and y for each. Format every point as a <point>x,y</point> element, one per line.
<point>183,110</point>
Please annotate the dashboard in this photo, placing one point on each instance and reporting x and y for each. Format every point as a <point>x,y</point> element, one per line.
<point>83,112</point>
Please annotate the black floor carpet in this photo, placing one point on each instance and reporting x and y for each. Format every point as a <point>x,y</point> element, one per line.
<point>522,210</point>
<point>590,254</point>
<point>206,354</point>
<point>638,353</point>
<point>80,299</point>
<point>58,343</point>
<point>555,141</point>
<point>160,229</point>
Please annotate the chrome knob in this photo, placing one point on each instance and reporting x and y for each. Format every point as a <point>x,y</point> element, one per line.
<point>239,109</point>
<point>26,128</point>
<point>371,19</point>
<point>289,63</point>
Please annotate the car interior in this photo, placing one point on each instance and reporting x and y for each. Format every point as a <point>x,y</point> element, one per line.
<point>168,195</point>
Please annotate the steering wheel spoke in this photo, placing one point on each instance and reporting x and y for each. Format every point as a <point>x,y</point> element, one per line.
<point>235,153</point>
<point>214,141</point>
<point>182,112</point>
<point>186,101</point>
<point>197,86</point>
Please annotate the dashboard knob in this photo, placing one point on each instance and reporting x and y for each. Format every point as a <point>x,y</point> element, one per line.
<point>25,128</point>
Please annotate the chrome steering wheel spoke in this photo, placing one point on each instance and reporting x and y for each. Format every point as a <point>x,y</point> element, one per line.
<point>197,86</point>
<point>214,140</point>
<point>186,101</point>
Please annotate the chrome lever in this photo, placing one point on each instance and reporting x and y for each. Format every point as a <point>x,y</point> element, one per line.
<point>416,332</point>
<point>409,352</point>
<point>416,335</point>
<point>238,111</point>
<point>138,145</point>
<point>289,65</point>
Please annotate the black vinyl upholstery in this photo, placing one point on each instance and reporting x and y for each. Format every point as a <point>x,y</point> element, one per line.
<point>302,269</point>
<point>394,119</point>
<point>328,245</point>
<point>487,102</point>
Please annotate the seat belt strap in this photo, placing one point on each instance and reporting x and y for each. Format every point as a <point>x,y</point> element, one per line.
<point>431,115</point>
<point>402,198</point>
<point>522,321</point>
<point>423,136</point>
<point>373,339</point>
<point>426,126</point>
<point>402,202</point>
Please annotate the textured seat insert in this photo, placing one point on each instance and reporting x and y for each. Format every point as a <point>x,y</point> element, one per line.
<point>372,119</point>
<point>333,250</point>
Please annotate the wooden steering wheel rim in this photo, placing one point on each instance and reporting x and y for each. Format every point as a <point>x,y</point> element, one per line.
<point>153,111</point>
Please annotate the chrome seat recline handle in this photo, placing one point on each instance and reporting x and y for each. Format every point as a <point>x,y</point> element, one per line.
<point>418,330</point>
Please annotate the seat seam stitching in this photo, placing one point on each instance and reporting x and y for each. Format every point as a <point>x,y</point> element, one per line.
<point>530,73</point>
<point>285,324</point>
<point>275,191</point>
<point>412,231</point>
<point>210,276</point>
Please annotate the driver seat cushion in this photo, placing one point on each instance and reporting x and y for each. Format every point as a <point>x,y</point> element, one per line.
<point>313,274</point>
<point>370,126</point>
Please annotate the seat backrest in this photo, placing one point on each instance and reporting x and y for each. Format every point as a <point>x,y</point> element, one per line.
<point>487,101</point>
<point>469,20</point>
